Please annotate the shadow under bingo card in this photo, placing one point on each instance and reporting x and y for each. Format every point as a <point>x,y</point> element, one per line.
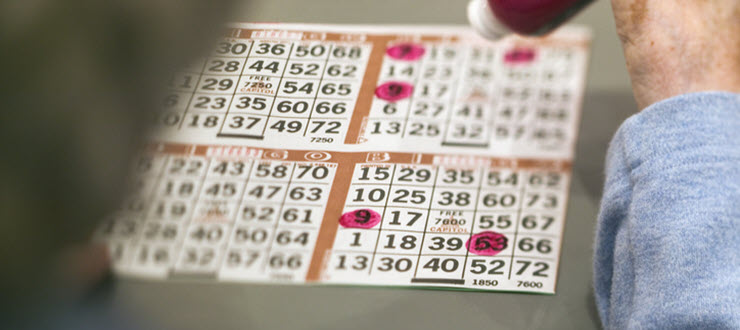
<point>367,155</point>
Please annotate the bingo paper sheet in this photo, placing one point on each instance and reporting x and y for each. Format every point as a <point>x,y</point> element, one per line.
<point>364,155</point>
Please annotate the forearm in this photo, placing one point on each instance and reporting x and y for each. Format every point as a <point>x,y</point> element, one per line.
<point>668,243</point>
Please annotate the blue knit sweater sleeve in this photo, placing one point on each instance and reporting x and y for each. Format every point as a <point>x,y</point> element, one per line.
<point>667,251</point>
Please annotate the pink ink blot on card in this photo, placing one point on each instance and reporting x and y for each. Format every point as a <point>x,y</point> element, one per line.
<point>361,218</point>
<point>405,52</point>
<point>519,56</point>
<point>394,91</point>
<point>487,243</point>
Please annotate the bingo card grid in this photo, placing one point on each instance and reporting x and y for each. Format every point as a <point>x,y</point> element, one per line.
<point>251,89</point>
<point>219,217</point>
<point>507,96</point>
<point>256,217</point>
<point>422,240</point>
<point>271,89</point>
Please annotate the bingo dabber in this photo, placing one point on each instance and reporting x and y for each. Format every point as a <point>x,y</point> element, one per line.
<point>494,19</point>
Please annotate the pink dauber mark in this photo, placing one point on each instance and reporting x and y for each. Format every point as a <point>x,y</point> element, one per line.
<point>405,52</point>
<point>361,218</point>
<point>519,56</point>
<point>487,243</point>
<point>394,91</point>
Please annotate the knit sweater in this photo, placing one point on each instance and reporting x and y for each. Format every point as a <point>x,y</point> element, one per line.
<point>667,250</point>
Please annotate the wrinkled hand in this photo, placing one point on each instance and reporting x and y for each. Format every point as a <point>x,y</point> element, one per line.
<point>678,47</point>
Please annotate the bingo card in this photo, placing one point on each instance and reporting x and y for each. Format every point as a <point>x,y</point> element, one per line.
<point>365,155</point>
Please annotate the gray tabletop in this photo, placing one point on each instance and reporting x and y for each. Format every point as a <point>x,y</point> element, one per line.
<point>607,103</point>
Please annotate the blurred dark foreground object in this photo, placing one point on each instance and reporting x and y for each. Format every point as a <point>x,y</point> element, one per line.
<point>80,81</point>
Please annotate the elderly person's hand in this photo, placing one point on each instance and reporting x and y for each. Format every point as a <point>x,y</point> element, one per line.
<point>678,47</point>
